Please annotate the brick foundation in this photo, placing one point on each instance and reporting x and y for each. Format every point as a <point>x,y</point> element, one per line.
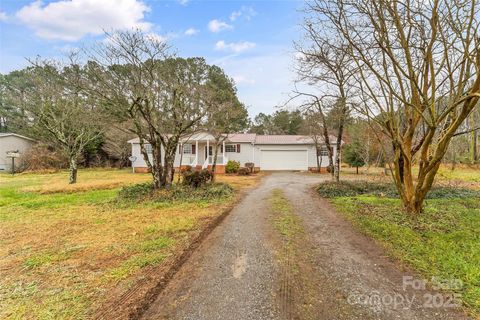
<point>314,169</point>
<point>218,168</point>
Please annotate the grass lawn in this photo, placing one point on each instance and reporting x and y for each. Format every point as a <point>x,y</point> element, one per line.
<point>444,242</point>
<point>65,248</point>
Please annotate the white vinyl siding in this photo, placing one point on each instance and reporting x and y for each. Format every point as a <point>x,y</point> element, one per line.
<point>12,143</point>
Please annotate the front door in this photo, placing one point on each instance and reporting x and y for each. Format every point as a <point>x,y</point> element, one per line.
<point>210,151</point>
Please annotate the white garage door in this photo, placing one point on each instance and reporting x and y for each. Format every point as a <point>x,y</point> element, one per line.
<point>284,160</point>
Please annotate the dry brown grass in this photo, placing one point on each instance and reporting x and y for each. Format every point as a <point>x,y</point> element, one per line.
<point>240,182</point>
<point>463,176</point>
<point>64,249</point>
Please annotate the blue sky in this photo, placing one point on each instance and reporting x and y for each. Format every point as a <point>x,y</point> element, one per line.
<point>251,40</point>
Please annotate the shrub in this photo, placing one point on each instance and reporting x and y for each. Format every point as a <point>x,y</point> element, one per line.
<point>250,166</point>
<point>41,157</point>
<point>211,191</point>
<point>243,172</point>
<point>196,179</point>
<point>232,166</point>
<point>184,169</point>
<point>145,191</point>
<point>332,189</point>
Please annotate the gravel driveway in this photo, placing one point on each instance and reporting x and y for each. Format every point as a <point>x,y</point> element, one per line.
<point>235,274</point>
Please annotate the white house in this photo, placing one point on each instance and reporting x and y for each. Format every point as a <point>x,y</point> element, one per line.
<point>267,152</point>
<point>12,142</point>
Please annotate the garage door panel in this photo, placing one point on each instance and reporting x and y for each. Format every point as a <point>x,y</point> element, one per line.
<point>284,160</point>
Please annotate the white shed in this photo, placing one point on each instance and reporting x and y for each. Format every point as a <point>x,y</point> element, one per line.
<point>12,142</point>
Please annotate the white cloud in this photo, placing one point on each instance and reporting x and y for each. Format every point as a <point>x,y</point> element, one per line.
<point>234,46</point>
<point>183,2</point>
<point>191,32</point>
<point>246,12</point>
<point>273,75</point>
<point>72,20</point>
<point>3,16</point>
<point>240,79</point>
<point>218,25</point>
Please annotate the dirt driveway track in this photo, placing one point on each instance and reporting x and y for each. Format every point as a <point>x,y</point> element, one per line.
<point>235,274</point>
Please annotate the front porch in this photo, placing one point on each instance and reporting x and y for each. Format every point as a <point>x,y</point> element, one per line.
<point>198,152</point>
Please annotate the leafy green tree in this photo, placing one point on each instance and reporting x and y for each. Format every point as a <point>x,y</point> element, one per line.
<point>13,89</point>
<point>280,122</point>
<point>354,154</point>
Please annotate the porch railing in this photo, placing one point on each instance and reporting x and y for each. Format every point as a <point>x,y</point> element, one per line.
<point>220,160</point>
<point>189,160</point>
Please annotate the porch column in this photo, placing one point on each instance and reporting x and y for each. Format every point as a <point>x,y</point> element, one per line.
<point>208,152</point>
<point>196,152</point>
<point>223,153</point>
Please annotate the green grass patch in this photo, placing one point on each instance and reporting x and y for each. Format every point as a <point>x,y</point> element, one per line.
<point>285,221</point>
<point>443,242</point>
<point>133,264</point>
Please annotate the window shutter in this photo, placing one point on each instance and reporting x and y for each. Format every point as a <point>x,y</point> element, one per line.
<point>238,148</point>
<point>194,149</point>
<point>221,148</point>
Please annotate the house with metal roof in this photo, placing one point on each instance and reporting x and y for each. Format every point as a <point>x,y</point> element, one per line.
<point>267,152</point>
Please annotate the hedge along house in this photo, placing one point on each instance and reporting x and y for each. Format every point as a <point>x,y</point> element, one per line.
<point>267,152</point>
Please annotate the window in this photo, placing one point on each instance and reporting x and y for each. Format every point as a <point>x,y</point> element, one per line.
<point>187,149</point>
<point>230,148</point>
<point>324,151</point>
<point>148,148</point>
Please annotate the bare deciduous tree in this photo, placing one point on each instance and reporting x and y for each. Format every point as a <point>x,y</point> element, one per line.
<point>418,66</point>
<point>325,63</point>
<point>136,78</point>
<point>59,110</point>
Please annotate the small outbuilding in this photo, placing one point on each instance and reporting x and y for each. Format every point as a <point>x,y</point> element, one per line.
<point>12,143</point>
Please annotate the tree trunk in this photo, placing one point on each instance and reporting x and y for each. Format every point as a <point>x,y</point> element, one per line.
<point>214,165</point>
<point>329,149</point>
<point>168,163</point>
<point>339,150</point>
<point>357,169</point>
<point>73,169</point>
<point>156,167</point>
<point>318,153</point>
<point>473,147</point>
<point>180,164</point>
